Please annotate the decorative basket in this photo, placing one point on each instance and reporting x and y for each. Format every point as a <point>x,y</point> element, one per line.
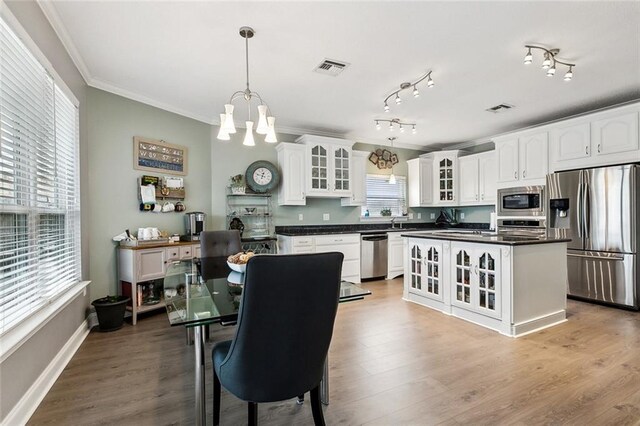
<point>238,189</point>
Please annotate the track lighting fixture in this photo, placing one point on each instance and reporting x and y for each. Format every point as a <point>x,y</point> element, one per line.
<point>395,122</point>
<point>407,85</point>
<point>549,61</point>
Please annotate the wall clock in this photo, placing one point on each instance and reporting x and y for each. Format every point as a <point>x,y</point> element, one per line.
<point>262,176</point>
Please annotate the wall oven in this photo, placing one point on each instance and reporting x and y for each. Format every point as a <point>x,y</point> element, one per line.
<point>523,201</point>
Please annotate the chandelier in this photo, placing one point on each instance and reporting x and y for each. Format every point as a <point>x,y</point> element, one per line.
<point>395,122</point>
<point>266,121</point>
<point>392,177</point>
<point>407,85</point>
<point>549,61</point>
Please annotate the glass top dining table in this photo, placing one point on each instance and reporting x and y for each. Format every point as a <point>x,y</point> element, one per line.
<point>205,291</point>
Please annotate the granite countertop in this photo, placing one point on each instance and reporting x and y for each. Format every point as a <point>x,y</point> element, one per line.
<point>488,238</point>
<point>292,231</point>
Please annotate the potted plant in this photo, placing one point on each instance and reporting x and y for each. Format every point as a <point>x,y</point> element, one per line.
<point>385,212</point>
<point>110,312</point>
<point>237,184</point>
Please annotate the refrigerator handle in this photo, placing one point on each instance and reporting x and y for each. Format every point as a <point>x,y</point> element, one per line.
<point>579,210</point>
<point>586,210</point>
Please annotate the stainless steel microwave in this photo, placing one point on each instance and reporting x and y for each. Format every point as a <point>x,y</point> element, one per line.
<point>525,201</point>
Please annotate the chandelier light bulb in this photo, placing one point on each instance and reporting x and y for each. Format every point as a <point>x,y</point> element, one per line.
<point>378,127</point>
<point>569,75</point>
<point>392,179</point>
<point>229,125</point>
<point>391,127</point>
<point>415,92</point>
<point>248,137</point>
<point>271,131</point>
<point>222,134</point>
<point>263,127</point>
<point>413,130</point>
<point>398,100</point>
<point>529,58</point>
<point>547,62</point>
<point>401,129</point>
<point>386,107</point>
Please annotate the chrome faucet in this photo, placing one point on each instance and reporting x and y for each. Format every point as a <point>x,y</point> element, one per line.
<point>393,223</point>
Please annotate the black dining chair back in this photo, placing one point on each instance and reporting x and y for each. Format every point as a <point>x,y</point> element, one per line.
<point>220,243</point>
<point>285,324</point>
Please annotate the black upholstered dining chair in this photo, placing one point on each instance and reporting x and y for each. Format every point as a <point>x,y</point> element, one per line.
<point>285,324</point>
<point>220,243</point>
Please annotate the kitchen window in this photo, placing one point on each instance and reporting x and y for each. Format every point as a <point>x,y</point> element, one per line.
<point>39,183</point>
<point>382,195</point>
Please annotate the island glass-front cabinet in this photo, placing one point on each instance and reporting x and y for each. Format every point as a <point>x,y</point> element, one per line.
<point>426,270</point>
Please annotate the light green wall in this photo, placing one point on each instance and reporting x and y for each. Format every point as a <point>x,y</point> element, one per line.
<point>112,123</point>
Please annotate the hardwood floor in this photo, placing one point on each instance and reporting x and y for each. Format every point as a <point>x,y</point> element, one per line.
<point>391,363</point>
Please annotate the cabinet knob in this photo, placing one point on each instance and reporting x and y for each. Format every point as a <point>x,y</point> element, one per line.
<point>524,173</point>
<point>586,149</point>
<point>515,175</point>
<point>599,149</point>
<point>476,197</point>
<point>482,197</point>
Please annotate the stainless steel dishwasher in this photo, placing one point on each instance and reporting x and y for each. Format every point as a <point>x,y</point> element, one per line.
<point>373,255</point>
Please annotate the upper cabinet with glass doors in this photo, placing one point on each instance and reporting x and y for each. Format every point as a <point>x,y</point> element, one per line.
<point>445,168</point>
<point>328,166</point>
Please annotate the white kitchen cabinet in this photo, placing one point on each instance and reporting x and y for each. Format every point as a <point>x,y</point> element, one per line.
<point>420,182</point>
<point>425,269</point>
<point>570,142</point>
<point>328,166</point>
<point>469,183</point>
<point>613,133</point>
<point>445,168</point>
<point>347,244</point>
<point>478,179</point>
<point>292,160</point>
<point>595,140</point>
<point>522,159</point>
<point>358,180</point>
<point>395,255</point>
<point>137,266</point>
<point>476,278</point>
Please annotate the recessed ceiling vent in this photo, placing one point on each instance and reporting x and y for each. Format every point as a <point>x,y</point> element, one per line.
<point>331,67</point>
<point>500,108</point>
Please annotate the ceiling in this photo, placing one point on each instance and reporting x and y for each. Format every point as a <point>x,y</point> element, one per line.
<point>187,57</point>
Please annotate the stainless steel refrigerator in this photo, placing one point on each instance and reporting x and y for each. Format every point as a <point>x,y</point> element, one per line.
<point>598,209</point>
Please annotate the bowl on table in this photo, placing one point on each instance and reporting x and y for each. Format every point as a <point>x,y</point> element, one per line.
<point>238,267</point>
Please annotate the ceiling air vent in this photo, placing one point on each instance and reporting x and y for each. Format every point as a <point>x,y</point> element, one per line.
<point>331,67</point>
<point>499,108</point>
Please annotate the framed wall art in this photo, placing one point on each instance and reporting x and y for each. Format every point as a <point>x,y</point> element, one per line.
<point>159,156</point>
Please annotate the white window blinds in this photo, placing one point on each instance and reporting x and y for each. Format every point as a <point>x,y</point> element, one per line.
<point>384,195</point>
<point>39,185</point>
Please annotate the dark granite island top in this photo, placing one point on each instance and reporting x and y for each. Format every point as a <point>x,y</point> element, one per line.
<point>486,238</point>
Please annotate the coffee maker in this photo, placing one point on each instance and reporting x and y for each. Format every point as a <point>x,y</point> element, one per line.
<point>194,224</point>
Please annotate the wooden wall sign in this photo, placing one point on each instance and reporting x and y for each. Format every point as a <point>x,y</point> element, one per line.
<point>158,156</point>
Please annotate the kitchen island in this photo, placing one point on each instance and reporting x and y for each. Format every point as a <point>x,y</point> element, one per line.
<point>511,284</point>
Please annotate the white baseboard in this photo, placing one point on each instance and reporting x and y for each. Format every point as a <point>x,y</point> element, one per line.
<point>27,405</point>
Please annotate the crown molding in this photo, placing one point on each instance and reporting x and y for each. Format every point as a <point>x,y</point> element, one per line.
<point>111,88</point>
<point>52,16</point>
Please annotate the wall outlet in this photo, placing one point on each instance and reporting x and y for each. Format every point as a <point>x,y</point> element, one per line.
<point>410,216</point>
<point>419,215</point>
<point>326,216</point>
<point>432,216</point>
<point>461,215</point>
<point>300,216</point>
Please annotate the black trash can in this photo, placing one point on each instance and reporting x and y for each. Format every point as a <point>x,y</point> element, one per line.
<point>110,311</point>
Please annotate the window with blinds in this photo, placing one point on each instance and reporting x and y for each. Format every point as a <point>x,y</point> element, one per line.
<point>384,195</point>
<point>39,184</point>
